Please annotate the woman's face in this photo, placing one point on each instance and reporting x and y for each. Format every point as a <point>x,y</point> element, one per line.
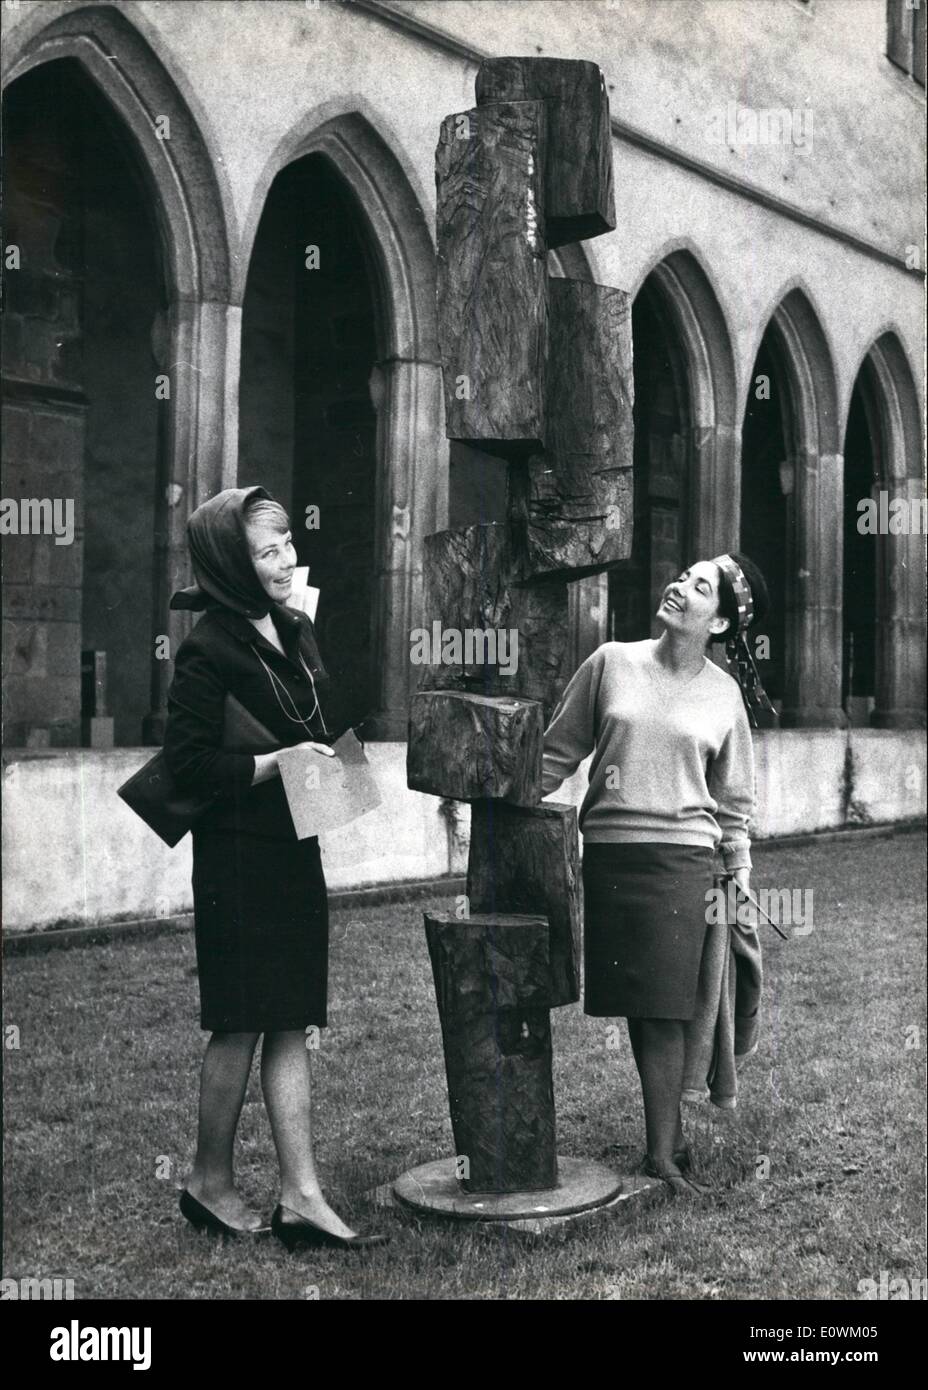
<point>690,603</point>
<point>273,557</point>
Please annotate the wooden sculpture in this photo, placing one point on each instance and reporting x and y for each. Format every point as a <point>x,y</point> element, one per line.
<point>537,377</point>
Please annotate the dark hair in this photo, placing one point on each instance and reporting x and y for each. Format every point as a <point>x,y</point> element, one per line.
<point>728,607</point>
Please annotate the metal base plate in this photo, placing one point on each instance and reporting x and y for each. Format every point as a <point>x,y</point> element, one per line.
<point>582,1186</point>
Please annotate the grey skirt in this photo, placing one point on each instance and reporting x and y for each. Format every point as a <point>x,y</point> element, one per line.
<point>644,928</point>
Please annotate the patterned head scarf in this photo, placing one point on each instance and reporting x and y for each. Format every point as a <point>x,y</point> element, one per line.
<point>737,650</point>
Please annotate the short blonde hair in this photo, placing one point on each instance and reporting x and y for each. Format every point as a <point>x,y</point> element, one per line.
<point>267,510</point>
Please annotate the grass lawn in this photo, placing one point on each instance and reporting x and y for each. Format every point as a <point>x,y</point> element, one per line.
<point>100,1104</point>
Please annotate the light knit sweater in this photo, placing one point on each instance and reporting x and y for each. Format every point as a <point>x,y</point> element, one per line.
<point>670,763</point>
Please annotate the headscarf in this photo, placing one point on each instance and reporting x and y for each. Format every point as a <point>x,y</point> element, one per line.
<point>222,563</point>
<point>737,650</point>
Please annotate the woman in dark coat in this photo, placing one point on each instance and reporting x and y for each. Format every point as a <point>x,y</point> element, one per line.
<point>260,906</point>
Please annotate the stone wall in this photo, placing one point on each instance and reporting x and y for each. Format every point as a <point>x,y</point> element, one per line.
<point>74,854</point>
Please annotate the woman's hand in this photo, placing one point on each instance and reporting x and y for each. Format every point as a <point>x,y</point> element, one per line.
<point>742,879</point>
<point>746,911</point>
<point>265,768</point>
<point>317,747</point>
<point>266,765</point>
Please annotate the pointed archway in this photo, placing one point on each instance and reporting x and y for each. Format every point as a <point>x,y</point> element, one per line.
<point>791,484</point>
<point>884,601</point>
<point>168,159</point>
<point>686,440</point>
<point>389,490</point>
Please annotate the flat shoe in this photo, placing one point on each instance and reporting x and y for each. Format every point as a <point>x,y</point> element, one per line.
<point>298,1230</point>
<point>682,1186</point>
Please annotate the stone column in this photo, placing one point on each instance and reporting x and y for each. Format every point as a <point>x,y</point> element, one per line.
<point>714,503</point>
<point>813,619</point>
<point>900,630</point>
<point>412,502</point>
<point>192,349</point>
<point>588,617</point>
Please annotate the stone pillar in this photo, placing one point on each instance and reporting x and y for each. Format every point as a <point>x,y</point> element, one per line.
<point>813,619</point>
<point>900,630</point>
<point>588,617</point>
<point>192,350</point>
<point>411,503</point>
<point>714,504</point>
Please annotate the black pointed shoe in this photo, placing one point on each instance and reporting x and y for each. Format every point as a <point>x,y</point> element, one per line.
<point>205,1220</point>
<point>293,1230</point>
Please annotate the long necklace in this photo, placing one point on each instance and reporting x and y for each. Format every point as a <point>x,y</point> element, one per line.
<point>277,684</point>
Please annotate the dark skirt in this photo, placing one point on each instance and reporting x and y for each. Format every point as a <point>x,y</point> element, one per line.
<point>262,932</point>
<point>644,928</point>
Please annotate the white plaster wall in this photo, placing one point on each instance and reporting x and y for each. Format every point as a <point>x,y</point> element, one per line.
<point>822,779</point>
<point>73,852</point>
<point>260,75</point>
<point>669,64</point>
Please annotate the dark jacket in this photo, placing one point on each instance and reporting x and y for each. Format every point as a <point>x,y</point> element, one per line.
<point>219,657</point>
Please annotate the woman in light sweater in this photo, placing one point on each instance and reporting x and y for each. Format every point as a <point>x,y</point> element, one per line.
<point>671,781</point>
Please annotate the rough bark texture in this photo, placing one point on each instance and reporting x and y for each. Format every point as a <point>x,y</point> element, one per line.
<point>573,501</point>
<point>492,275</point>
<point>470,746</point>
<point>472,581</point>
<point>579,200</point>
<point>528,860</point>
<point>491,980</point>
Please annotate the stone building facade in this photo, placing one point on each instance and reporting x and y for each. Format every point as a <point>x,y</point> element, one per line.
<point>167,168</point>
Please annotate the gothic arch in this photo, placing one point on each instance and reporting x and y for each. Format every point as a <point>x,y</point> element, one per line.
<point>411,498</point>
<point>683,285</point>
<point>392,208</point>
<point>192,343</point>
<point>890,401</point>
<point>814,540</point>
<point>181,170</point>
<point>809,362</point>
<point>900,418</point>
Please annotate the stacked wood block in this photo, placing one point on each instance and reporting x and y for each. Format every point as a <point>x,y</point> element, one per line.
<point>538,382</point>
<point>491,981</point>
<point>529,861</point>
<point>473,583</point>
<point>572,501</point>
<point>492,275</point>
<point>579,199</point>
<point>470,746</point>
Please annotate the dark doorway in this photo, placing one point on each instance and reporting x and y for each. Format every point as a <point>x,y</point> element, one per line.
<point>79,382</point>
<point>769,459</point>
<point>662,430</point>
<point>862,471</point>
<point>308,429</point>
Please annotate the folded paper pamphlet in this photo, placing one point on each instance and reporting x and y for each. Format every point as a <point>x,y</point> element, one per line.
<point>324,793</point>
